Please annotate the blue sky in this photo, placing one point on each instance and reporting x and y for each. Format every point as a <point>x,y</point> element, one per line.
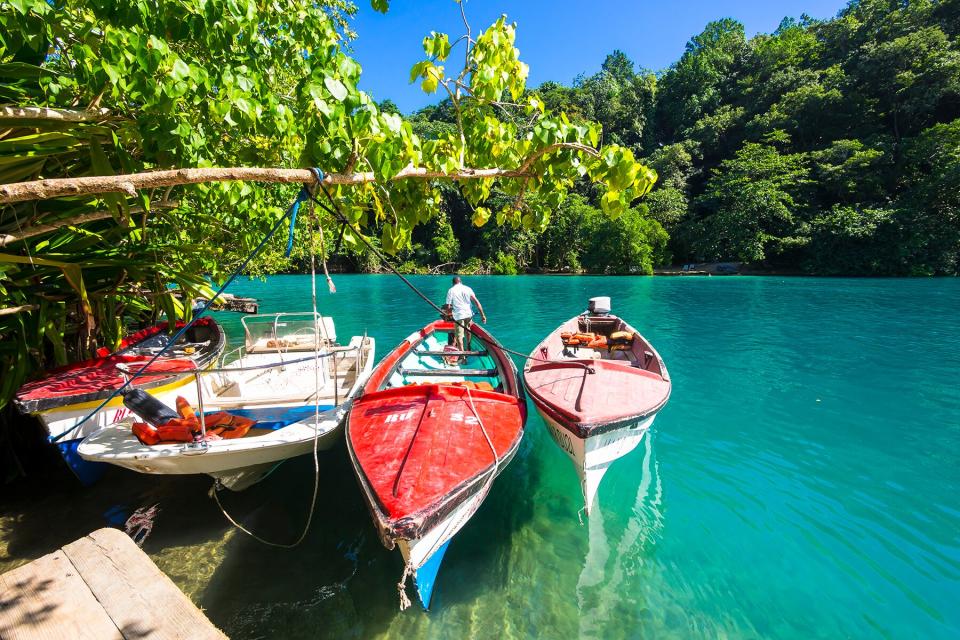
<point>559,39</point>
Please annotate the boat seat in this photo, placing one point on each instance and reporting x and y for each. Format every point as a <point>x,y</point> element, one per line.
<point>489,373</point>
<point>452,353</point>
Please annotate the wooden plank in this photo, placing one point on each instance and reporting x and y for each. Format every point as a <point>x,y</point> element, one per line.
<point>142,601</point>
<point>47,598</point>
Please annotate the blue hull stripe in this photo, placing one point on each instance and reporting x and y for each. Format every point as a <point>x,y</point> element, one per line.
<point>274,418</point>
<point>87,472</point>
<point>426,576</point>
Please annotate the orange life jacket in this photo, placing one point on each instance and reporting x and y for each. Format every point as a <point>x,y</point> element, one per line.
<point>600,342</point>
<point>150,435</point>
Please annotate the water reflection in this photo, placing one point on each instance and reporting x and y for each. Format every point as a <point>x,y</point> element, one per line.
<point>601,585</point>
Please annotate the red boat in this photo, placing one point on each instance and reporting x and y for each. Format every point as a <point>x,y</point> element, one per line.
<point>598,384</point>
<point>432,429</point>
<point>97,378</point>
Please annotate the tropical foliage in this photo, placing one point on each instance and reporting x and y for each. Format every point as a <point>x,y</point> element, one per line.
<point>827,147</point>
<point>116,87</point>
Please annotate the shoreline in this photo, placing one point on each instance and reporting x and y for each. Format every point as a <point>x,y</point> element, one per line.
<point>656,274</point>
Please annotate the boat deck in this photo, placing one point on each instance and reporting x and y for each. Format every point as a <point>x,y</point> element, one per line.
<point>100,586</point>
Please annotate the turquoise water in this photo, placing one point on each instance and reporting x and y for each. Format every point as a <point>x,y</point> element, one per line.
<point>802,482</point>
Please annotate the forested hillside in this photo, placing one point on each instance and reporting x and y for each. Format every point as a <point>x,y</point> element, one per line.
<point>827,147</point>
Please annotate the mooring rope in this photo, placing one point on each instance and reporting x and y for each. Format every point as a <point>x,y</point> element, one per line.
<point>334,210</point>
<point>316,411</point>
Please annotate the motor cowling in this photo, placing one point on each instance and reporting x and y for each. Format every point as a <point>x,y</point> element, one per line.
<point>599,306</point>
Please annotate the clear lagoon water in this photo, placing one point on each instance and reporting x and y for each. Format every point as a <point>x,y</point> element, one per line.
<point>802,482</point>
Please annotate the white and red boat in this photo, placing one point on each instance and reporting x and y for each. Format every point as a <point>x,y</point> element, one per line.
<point>291,378</point>
<point>598,384</point>
<point>432,429</point>
<point>66,395</point>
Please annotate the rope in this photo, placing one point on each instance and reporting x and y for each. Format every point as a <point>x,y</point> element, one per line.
<point>301,197</point>
<point>408,571</point>
<point>335,211</point>
<point>332,288</point>
<point>316,422</point>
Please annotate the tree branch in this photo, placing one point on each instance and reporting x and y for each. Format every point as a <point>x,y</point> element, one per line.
<point>129,183</point>
<point>62,115</point>
<point>524,169</point>
<point>12,310</point>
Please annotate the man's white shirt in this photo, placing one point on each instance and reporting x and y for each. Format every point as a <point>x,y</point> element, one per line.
<point>458,297</point>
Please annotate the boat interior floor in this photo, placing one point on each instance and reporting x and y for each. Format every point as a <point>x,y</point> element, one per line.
<point>588,353</point>
<point>341,374</point>
<point>426,364</point>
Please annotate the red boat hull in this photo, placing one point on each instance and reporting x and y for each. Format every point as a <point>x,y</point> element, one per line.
<point>96,378</point>
<point>421,446</point>
<point>419,450</point>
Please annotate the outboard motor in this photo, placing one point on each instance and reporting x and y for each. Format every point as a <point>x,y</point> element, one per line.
<point>599,306</point>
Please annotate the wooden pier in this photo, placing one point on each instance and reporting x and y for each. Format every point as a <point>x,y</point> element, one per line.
<point>101,586</point>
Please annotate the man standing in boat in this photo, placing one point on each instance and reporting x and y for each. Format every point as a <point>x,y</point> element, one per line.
<point>460,299</point>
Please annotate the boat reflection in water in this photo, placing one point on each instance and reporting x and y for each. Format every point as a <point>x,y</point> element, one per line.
<point>600,587</point>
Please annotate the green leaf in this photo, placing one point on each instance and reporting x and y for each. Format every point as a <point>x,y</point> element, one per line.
<point>417,70</point>
<point>335,87</point>
<point>181,70</point>
<point>437,45</point>
<point>480,216</point>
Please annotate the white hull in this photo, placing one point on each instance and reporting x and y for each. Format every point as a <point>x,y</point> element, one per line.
<point>236,463</point>
<point>281,386</point>
<point>418,551</point>
<point>592,456</point>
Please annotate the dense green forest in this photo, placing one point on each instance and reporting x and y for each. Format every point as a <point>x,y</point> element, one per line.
<point>828,147</point>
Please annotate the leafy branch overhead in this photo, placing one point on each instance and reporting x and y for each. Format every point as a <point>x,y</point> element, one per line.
<point>493,129</point>
<point>341,128</point>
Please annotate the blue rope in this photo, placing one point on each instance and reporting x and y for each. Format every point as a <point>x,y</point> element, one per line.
<point>302,197</point>
<point>291,213</point>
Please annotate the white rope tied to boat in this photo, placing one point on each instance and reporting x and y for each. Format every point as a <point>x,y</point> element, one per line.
<point>323,256</point>
<point>408,571</point>
<point>316,414</point>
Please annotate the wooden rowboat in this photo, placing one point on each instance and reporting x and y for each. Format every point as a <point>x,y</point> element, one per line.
<point>597,401</point>
<point>427,438</point>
